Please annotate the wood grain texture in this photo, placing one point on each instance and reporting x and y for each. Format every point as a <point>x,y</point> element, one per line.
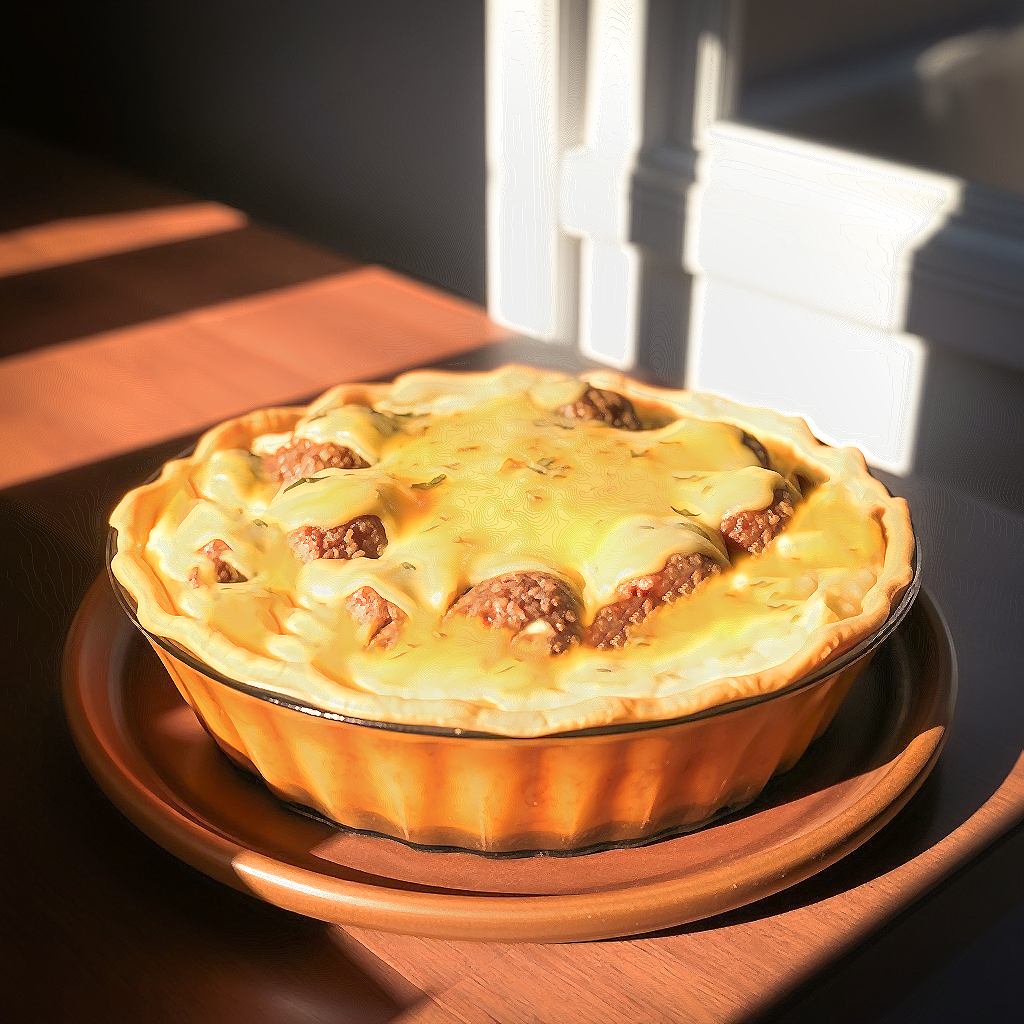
<point>80,238</point>
<point>427,1012</point>
<point>724,970</point>
<point>70,404</point>
<point>434,966</point>
<point>42,184</point>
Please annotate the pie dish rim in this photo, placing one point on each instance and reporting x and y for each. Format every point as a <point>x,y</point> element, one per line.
<point>815,658</point>
<point>862,649</point>
<point>330,892</point>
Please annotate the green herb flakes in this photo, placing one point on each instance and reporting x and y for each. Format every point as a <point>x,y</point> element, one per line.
<point>440,478</point>
<point>304,480</point>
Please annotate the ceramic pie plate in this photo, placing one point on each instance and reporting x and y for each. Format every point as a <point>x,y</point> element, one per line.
<point>154,760</point>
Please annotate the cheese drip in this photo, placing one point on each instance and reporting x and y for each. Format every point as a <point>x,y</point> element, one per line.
<point>472,484</point>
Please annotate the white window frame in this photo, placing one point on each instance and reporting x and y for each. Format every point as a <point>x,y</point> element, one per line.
<point>794,258</point>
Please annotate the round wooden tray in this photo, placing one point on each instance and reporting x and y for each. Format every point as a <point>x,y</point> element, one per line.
<point>158,765</point>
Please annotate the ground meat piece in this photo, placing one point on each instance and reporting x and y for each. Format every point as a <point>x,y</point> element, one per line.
<point>541,609</point>
<point>754,531</point>
<point>225,572</point>
<point>383,618</point>
<point>681,576</point>
<point>303,457</point>
<point>362,537</point>
<point>607,406</point>
<point>757,448</point>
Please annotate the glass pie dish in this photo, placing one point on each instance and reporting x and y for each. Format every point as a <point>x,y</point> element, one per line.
<point>569,792</point>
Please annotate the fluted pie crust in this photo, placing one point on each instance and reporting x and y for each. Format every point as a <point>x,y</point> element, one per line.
<point>334,557</point>
<point>827,609</point>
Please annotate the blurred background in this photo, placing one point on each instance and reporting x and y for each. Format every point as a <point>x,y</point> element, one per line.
<point>361,126</point>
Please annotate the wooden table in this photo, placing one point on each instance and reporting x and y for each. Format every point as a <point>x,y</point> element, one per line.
<point>131,318</point>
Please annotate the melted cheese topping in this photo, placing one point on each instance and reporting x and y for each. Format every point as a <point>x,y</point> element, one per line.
<point>476,475</point>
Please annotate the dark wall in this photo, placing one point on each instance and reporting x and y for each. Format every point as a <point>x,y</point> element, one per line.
<point>356,125</point>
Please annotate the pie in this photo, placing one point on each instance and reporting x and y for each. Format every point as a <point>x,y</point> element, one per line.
<point>455,570</point>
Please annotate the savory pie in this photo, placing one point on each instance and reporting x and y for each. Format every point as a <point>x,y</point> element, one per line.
<point>517,553</point>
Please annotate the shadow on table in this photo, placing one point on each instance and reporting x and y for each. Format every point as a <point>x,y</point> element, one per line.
<point>140,906</point>
<point>81,298</point>
<point>130,932</point>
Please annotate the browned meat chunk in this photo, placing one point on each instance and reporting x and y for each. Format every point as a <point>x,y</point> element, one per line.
<point>305,458</point>
<point>225,572</point>
<point>757,448</point>
<point>541,609</point>
<point>754,531</point>
<point>681,576</point>
<point>383,618</point>
<point>362,537</point>
<point>607,406</point>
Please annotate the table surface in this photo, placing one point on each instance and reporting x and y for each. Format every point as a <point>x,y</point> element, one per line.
<point>133,316</point>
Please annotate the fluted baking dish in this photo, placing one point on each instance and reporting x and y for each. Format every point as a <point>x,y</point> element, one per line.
<point>574,790</point>
<point>514,611</point>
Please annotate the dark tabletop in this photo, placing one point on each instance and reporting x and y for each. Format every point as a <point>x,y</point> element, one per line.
<point>924,922</point>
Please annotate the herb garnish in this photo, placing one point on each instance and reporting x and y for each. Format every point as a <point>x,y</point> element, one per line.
<point>304,480</point>
<point>683,512</point>
<point>430,483</point>
<point>258,522</point>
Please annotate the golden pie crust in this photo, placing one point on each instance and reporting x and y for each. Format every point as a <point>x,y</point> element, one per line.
<point>475,475</point>
<point>339,578</point>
